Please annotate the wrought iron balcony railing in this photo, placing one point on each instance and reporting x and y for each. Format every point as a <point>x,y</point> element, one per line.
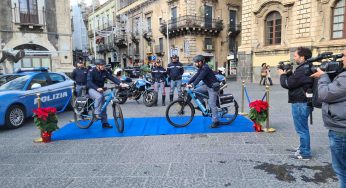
<point>201,25</point>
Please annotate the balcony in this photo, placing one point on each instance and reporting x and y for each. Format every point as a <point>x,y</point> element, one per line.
<point>148,35</point>
<point>159,50</point>
<point>135,37</point>
<point>120,40</point>
<point>101,48</point>
<point>234,30</point>
<point>192,25</point>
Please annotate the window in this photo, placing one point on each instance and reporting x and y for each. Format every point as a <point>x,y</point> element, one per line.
<point>149,23</point>
<point>56,78</point>
<point>208,44</point>
<point>39,79</point>
<point>28,11</point>
<point>273,28</point>
<point>339,20</point>
<point>161,44</point>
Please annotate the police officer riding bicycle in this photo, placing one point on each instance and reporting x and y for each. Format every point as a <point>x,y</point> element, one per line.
<point>211,85</point>
<point>95,83</point>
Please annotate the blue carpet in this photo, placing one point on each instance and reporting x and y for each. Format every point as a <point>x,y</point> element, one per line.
<point>150,126</point>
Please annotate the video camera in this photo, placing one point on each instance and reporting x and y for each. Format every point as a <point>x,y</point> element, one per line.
<point>285,66</point>
<point>330,65</point>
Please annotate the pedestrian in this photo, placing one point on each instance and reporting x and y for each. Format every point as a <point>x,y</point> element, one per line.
<point>79,75</point>
<point>211,86</point>
<point>268,75</point>
<point>159,75</point>
<point>175,72</point>
<point>95,82</point>
<point>263,73</point>
<point>332,93</point>
<point>297,84</point>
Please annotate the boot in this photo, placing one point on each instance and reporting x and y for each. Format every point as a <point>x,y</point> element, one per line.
<point>170,98</point>
<point>163,100</point>
<point>157,98</point>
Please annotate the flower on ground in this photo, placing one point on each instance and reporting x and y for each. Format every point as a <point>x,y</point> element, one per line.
<point>258,111</point>
<point>45,119</point>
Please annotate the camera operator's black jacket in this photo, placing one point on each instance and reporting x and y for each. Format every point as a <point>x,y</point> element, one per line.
<point>97,78</point>
<point>206,74</point>
<point>297,83</point>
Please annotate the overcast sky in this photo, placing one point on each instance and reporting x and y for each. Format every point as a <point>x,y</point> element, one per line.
<point>88,2</point>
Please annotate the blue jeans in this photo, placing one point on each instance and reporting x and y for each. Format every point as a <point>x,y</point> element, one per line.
<point>300,113</point>
<point>211,101</point>
<point>99,100</point>
<point>337,143</point>
<point>175,83</point>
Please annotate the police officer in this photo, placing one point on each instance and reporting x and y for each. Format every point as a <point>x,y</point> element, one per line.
<point>95,82</point>
<point>211,85</point>
<point>79,75</point>
<point>159,76</point>
<point>175,71</point>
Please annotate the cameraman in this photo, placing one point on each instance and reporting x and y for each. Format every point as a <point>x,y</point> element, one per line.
<point>297,84</point>
<point>333,96</point>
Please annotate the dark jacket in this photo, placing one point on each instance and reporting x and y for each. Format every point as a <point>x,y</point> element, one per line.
<point>206,74</point>
<point>175,70</point>
<point>297,83</point>
<point>158,73</point>
<point>96,78</point>
<point>333,97</point>
<point>79,75</point>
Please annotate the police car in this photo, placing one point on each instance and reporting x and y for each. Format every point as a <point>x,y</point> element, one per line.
<point>18,94</point>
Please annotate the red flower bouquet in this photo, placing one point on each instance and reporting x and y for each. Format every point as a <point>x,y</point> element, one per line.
<point>45,119</point>
<point>258,113</point>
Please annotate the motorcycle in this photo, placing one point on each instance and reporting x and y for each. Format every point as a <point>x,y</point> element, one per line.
<point>136,89</point>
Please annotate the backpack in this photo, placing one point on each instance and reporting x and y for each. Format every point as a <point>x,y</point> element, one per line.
<point>316,102</point>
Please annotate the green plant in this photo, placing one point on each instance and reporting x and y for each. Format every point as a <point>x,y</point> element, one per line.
<point>258,111</point>
<point>45,119</point>
<point>219,25</point>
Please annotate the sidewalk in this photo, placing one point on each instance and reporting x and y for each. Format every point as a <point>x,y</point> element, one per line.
<point>201,160</point>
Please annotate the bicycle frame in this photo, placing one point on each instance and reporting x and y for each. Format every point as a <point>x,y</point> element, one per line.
<point>109,96</point>
<point>203,108</point>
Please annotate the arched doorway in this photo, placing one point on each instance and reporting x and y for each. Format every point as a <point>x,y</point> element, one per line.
<point>39,58</point>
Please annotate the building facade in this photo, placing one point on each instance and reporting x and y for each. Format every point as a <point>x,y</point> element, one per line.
<point>41,27</point>
<point>185,28</point>
<point>80,43</point>
<point>272,30</point>
<point>100,31</point>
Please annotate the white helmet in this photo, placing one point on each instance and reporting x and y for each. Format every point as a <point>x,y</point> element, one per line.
<point>221,69</point>
<point>117,71</point>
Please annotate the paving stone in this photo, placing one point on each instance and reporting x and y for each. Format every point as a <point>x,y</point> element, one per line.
<point>158,170</point>
<point>88,182</point>
<point>110,170</point>
<point>184,169</point>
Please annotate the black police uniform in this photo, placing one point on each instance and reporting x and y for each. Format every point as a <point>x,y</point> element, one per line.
<point>79,75</point>
<point>159,76</point>
<point>175,72</point>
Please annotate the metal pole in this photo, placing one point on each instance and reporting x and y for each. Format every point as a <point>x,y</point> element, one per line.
<point>268,129</point>
<point>94,41</point>
<point>168,55</point>
<point>38,100</point>
<point>242,99</point>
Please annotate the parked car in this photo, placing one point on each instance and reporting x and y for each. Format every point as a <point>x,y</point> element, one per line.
<point>132,72</point>
<point>18,94</point>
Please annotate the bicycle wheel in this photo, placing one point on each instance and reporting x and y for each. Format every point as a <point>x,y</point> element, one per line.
<point>180,113</point>
<point>118,117</point>
<point>84,117</point>
<point>229,114</point>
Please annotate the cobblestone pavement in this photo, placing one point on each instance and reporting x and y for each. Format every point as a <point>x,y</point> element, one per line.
<point>198,160</point>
